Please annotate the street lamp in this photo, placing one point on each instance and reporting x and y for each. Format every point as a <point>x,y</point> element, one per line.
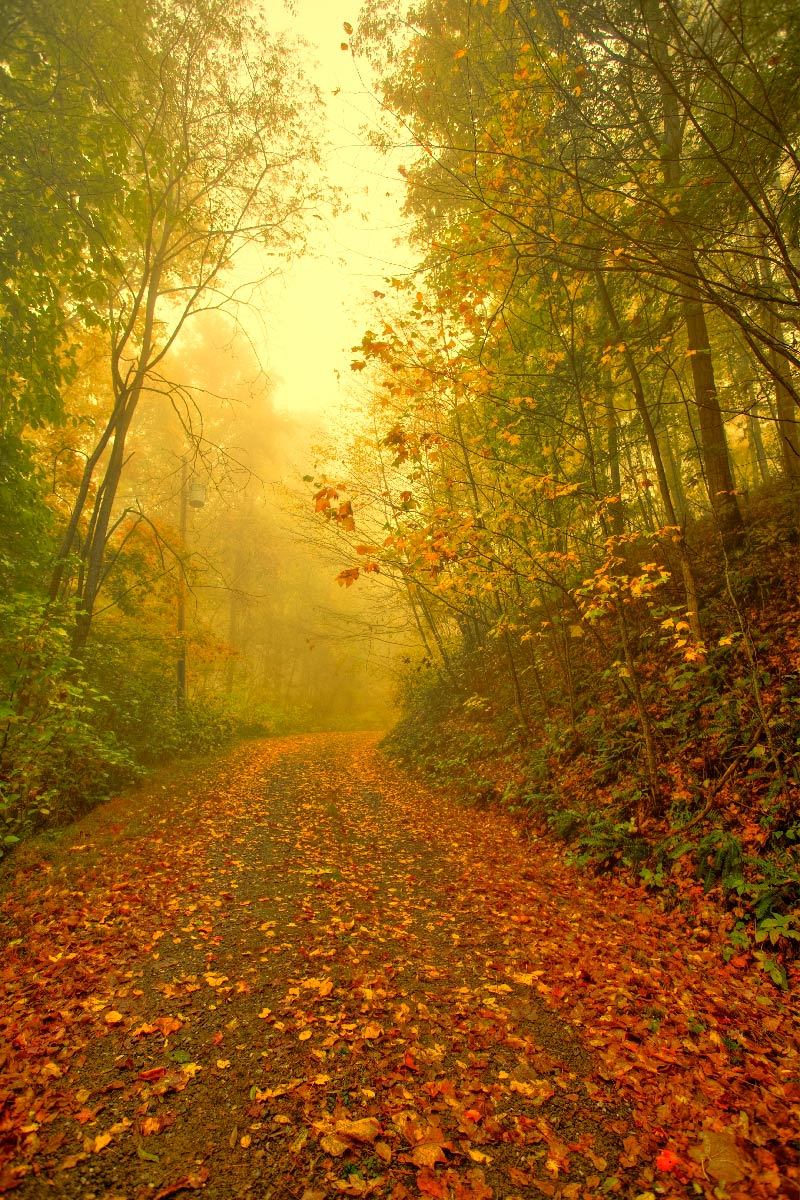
<point>193,495</point>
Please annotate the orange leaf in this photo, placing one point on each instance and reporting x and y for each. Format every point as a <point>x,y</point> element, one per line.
<point>427,1154</point>
<point>364,1130</point>
<point>168,1025</point>
<point>430,1185</point>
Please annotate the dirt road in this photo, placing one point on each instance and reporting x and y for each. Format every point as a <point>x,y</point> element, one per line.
<point>295,974</point>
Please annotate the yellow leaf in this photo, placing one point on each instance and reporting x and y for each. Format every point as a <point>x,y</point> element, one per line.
<point>215,980</point>
<point>538,1092</point>
<point>222,1063</point>
<point>100,1142</point>
<point>460,53</point>
<point>299,1141</point>
<point>502,6</point>
<point>245,1140</point>
<point>265,1012</point>
<point>334,1145</point>
<point>304,1036</point>
<point>479,1157</point>
<point>113,1017</point>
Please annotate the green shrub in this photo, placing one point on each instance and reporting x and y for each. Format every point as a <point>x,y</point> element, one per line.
<point>54,761</point>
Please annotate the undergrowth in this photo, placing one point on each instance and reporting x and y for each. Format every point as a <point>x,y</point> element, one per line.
<point>724,809</point>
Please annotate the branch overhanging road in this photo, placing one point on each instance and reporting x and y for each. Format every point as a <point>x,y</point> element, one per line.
<point>298,974</point>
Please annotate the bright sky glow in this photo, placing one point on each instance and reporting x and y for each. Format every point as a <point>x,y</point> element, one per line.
<point>316,311</point>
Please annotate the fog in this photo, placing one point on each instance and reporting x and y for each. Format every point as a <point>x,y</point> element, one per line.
<point>267,626</point>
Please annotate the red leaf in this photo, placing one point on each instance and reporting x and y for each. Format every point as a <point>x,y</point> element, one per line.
<point>152,1073</point>
<point>668,1161</point>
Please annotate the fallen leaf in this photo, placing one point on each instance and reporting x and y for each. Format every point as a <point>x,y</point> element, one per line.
<point>168,1025</point>
<point>152,1073</point>
<point>333,1145</point>
<point>667,1160</point>
<point>721,1157</point>
<point>364,1130</point>
<point>427,1154</point>
<point>187,1183</point>
<point>430,1185</point>
<point>538,1092</point>
<point>478,1156</point>
<point>71,1161</point>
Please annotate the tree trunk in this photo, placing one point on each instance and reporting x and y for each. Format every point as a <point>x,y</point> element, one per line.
<point>716,459</point>
<point>788,423</point>
<point>714,447</point>
<point>690,585</point>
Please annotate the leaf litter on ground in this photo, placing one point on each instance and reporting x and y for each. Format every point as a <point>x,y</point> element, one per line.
<point>295,973</point>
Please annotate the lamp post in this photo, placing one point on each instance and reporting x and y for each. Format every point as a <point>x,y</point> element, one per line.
<point>193,495</point>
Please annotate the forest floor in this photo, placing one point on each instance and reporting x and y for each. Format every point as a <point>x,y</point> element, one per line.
<point>295,974</point>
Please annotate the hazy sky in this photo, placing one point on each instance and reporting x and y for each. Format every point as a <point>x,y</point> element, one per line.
<point>312,312</point>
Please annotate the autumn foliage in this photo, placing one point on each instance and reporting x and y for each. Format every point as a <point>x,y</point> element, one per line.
<point>579,457</point>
